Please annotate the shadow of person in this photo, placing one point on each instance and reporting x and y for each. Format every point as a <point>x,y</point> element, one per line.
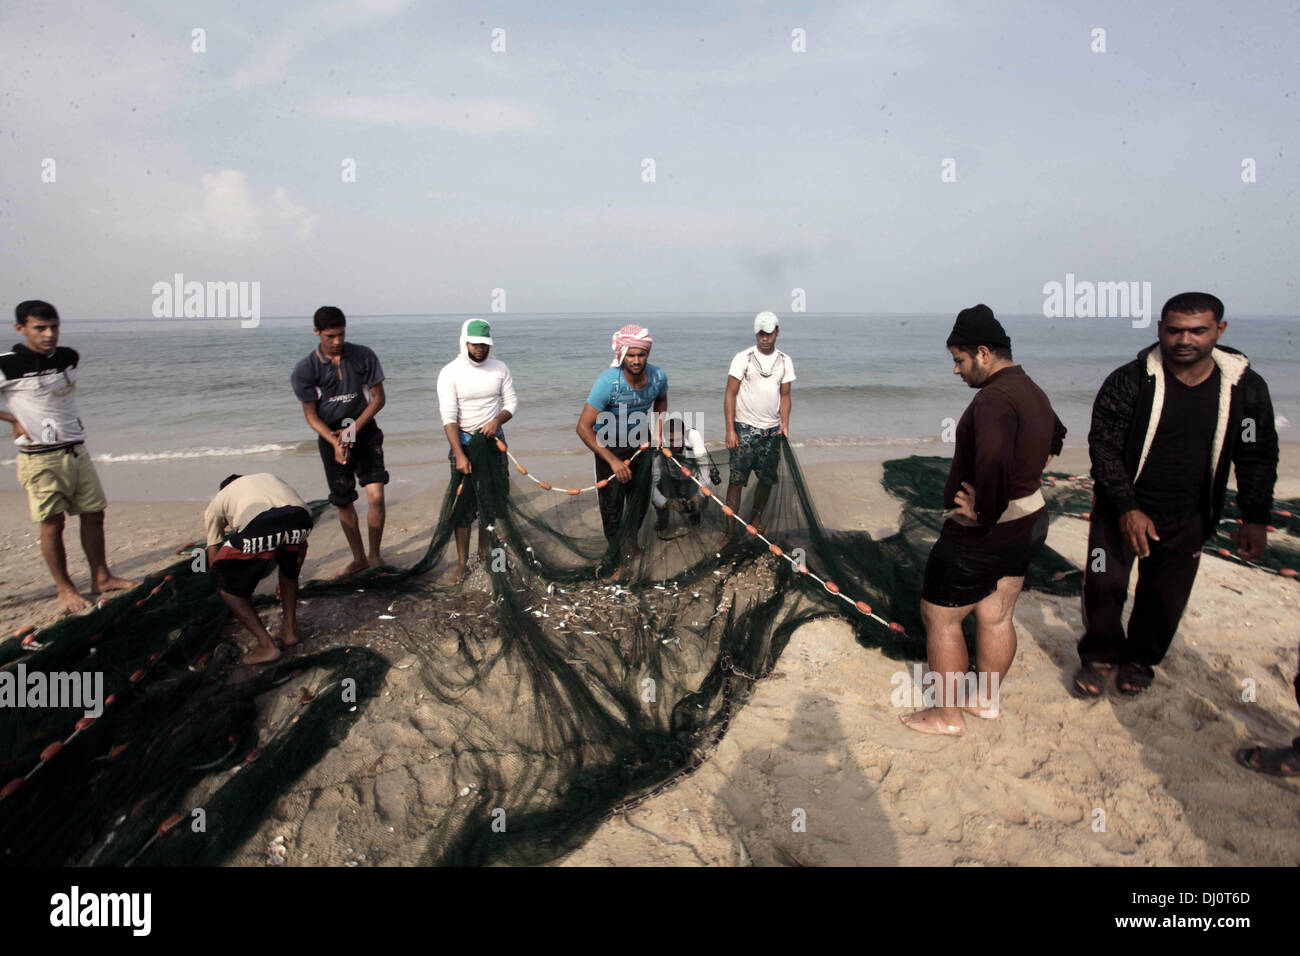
<point>806,802</point>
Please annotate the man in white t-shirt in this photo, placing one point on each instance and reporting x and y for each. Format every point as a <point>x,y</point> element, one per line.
<point>756,410</point>
<point>475,394</point>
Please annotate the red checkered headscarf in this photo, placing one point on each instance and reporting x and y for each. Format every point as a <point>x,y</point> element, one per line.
<point>629,337</point>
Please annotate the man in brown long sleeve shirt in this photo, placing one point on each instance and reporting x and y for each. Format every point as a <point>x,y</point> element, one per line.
<point>997,521</point>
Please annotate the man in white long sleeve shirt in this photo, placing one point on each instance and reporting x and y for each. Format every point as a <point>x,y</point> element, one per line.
<point>475,394</point>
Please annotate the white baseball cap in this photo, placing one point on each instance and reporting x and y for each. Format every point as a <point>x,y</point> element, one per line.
<point>765,322</point>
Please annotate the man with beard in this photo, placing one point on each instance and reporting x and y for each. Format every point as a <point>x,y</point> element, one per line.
<point>1165,428</point>
<point>997,521</point>
<point>475,394</point>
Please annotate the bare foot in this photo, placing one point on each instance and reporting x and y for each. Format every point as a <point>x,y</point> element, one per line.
<point>930,721</point>
<point>984,713</point>
<point>455,578</point>
<point>262,655</point>
<point>71,601</point>
<point>356,567</point>
<point>376,561</point>
<point>113,583</point>
<point>620,574</point>
<point>288,638</point>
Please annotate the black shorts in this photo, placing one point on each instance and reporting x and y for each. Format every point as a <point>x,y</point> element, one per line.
<point>277,536</point>
<point>960,572</point>
<point>365,465</point>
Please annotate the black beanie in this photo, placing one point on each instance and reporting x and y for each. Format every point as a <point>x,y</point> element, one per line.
<point>977,326</point>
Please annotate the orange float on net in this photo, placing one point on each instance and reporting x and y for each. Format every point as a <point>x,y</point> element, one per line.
<point>84,722</point>
<point>751,529</point>
<point>136,677</point>
<point>12,787</point>
<point>501,446</point>
<point>668,452</point>
<point>775,550</point>
<point>574,491</point>
<point>29,640</point>
<point>801,568</point>
<point>602,483</point>
<point>170,822</point>
<point>140,603</point>
<point>52,750</point>
<point>109,699</point>
<point>895,626</point>
<point>1288,572</point>
<point>544,485</point>
<point>117,750</point>
<point>24,631</point>
<point>1284,514</point>
<point>168,577</point>
<point>1223,552</point>
<point>686,472</point>
<point>155,590</point>
<point>831,586</point>
<point>522,469</point>
<point>727,511</point>
<point>253,754</point>
<point>1271,528</point>
<point>705,492</point>
<point>154,656</point>
<point>1087,514</point>
<point>864,607</point>
<point>645,445</point>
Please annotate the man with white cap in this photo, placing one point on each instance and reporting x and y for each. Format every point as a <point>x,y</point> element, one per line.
<point>756,410</point>
<point>475,394</point>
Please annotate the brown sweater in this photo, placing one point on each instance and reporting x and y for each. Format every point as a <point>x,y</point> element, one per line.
<point>1003,441</point>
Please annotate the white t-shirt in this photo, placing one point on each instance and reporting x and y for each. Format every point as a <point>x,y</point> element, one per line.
<point>758,403</point>
<point>471,394</point>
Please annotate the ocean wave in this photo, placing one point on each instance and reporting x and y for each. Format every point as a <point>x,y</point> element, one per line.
<point>175,454</point>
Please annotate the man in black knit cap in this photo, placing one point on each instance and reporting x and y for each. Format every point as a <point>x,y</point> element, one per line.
<point>996,522</point>
<point>1165,429</point>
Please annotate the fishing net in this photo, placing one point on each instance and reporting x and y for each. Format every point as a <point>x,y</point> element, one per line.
<point>537,699</point>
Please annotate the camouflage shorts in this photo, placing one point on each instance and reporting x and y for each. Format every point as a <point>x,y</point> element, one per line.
<point>756,451</point>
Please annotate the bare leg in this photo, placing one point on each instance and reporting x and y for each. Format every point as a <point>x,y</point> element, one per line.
<point>92,542</point>
<point>946,650</point>
<point>995,644</point>
<point>351,531</point>
<point>242,608</point>
<point>56,559</point>
<point>482,543</point>
<point>288,593</point>
<point>734,493</point>
<point>761,494</point>
<point>462,555</point>
<point>375,516</point>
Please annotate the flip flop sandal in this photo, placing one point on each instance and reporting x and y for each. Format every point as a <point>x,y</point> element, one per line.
<point>1131,682</point>
<point>1274,761</point>
<point>1097,675</point>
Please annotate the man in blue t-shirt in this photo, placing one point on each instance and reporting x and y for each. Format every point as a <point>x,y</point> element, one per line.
<point>618,418</point>
<point>341,387</point>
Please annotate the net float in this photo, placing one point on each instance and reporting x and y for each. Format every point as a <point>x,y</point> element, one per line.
<point>668,452</point>
<point>12,787</point>
<point>544,485</point>
<point>136,677</point>
<point>1271,528</point>
<point>775,550</point>
<point>252,755</point>
<point>24,631</point>
<point>644,445</point>
<point>727,511</point>
<point>109,699</point>
<point>686,472</point>
<point>501,446</point>
<point>705,492</point>
<point>574,491</point>
<point>522,469</point>
<point>170,822</point>
<point>751,529</point>
<point>84,722</point>
<point>1284,514</point>
<point>863,606</point>
<point>895,626</point>
<point>52,750</point>
<point>602,483</point>
<point>801,568</point>
<point>831,586</point>
<point>29,640</point>
<point>1288,572</point>
<point>1087,514</point>
<point>1223,552</point>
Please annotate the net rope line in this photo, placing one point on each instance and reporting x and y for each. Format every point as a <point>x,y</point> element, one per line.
<point>707,493</point>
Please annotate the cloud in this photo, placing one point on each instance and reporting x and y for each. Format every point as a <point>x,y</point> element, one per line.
<point>478,116</point>
<point>232,211</point>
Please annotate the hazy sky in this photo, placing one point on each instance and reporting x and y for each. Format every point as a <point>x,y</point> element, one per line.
<point>523,169</point>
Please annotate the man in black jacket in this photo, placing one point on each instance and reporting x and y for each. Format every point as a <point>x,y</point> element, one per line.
<point>1164,429</point>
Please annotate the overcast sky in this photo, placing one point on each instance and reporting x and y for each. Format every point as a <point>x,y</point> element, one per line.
<point>523,169</point>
